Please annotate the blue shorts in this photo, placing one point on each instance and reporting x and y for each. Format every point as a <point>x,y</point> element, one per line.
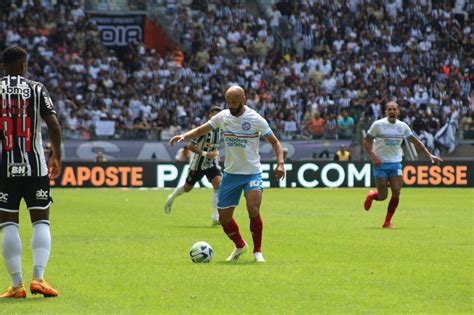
<point>387,170</point>
<point>232,185</point>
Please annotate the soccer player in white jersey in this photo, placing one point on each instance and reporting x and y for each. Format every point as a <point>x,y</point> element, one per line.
<point>242,129</point>
<point>383,142</point>
<point>203,163</point>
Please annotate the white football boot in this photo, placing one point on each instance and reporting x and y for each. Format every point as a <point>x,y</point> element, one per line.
<point>258,257</point>
<point>237,252</point>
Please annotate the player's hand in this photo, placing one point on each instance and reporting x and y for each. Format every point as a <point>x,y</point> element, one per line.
<point>376,161</point>
<point>280,171</point>
<point>213,155</point>
<point>54,167</point>
<point>178,138</point>
<point>435,159</point>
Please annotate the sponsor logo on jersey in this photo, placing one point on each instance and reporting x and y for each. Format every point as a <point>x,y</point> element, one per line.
<point>3,197</point>
<point>17,169</point>
<point>42,194</point>
<point>24,91</point>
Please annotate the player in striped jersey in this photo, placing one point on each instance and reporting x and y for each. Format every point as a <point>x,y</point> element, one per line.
<point>204,162</point>
<point>383,142</point>
<point>24,173</point>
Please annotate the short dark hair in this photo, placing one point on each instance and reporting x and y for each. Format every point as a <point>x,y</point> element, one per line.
<point>13,54</point>
<point>215,109</point>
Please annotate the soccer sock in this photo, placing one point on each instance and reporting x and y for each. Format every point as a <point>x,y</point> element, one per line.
<point>232,231</point>
<point>392,206</point>
<point>215,213</point>
<point>177,192</point>
<point>256,227</point>
<point>374,195</point>
<point>11,250</point>
<point>41,246</point>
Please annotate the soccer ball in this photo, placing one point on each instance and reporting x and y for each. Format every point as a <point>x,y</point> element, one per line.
<point>201,252</point>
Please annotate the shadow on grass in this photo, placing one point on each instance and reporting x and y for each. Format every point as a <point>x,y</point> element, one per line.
<point>197,227</point>
<point>238,263</point>
<point>29,299</point>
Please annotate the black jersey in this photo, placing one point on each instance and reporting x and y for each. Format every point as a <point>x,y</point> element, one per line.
<point>23,104</point>
<point>206,143</point>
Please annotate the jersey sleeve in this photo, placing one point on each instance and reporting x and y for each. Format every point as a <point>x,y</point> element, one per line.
<point>216,121</point>
<point>407,133</point>
<point>46,104</point>
<point>373,130</point>
<point>263,128</point>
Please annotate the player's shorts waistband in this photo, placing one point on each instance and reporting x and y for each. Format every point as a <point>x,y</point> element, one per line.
<point>233,174</point>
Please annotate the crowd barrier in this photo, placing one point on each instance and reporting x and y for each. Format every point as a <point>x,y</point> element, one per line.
<point>309,174</point>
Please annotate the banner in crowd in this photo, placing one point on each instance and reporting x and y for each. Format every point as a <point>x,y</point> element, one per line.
<point>120,150</point>
<point>298,175</point>
<point>118,30</point>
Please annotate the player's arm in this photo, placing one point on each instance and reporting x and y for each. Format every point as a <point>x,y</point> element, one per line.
<point>48,114</point>
<point>54,132</point>
<point>194,148</point>
<point>276,146</point>
<point>368,145</point>
<point>421,147</point>
<point>191,134</point>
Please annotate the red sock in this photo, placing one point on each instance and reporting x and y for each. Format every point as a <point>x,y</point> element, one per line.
<point>374,195</point>
<point>256,227</point>
<point>232,231</point>
<point>392,206</point>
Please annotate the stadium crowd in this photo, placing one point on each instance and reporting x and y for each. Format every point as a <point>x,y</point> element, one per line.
<point>314,69</point>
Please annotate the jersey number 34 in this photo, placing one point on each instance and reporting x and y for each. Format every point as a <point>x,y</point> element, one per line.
<point>23,130</point>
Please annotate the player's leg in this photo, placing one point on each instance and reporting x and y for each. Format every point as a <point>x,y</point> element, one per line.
<point>230,191</point>
<point>10,197</point>
<point>38,199</point>
<point>215,177</point>
<point>396,183</point>
<point>380,175</point>
<point>253,193</point>
<point>191,179</point>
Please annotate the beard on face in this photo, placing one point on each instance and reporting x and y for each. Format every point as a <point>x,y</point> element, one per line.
<point>236,111</point>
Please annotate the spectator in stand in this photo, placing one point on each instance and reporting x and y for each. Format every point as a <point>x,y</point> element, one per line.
<point>100,157</point>
<point>316,126</point>
<point>345,124</point>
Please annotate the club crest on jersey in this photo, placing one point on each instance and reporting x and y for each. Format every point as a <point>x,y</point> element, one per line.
<point>24,91</point>
<point>246,126</point>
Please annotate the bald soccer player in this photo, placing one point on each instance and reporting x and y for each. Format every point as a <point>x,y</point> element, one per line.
<point>242,129</point>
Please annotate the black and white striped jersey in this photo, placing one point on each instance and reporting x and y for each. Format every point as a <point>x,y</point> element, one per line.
<point>207,143</point>
<point>23,104</point>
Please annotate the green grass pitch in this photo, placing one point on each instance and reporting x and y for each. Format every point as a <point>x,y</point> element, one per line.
<point>116,251</point>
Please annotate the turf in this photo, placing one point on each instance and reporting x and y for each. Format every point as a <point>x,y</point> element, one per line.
<point>115,251</point>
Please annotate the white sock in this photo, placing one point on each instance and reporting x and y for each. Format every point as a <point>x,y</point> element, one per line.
<point>11,250</point>
<point>215,198</point>
<point>177,192</point>
<point>41,246</point>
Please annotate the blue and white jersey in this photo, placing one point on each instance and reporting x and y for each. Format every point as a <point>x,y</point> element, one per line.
<point>388,139</point>
<point>242,140</point>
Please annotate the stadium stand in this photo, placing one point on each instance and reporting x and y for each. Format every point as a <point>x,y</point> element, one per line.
<point>302,63</point>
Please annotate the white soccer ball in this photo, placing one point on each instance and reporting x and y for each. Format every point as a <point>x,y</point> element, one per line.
<point>201,252</point>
